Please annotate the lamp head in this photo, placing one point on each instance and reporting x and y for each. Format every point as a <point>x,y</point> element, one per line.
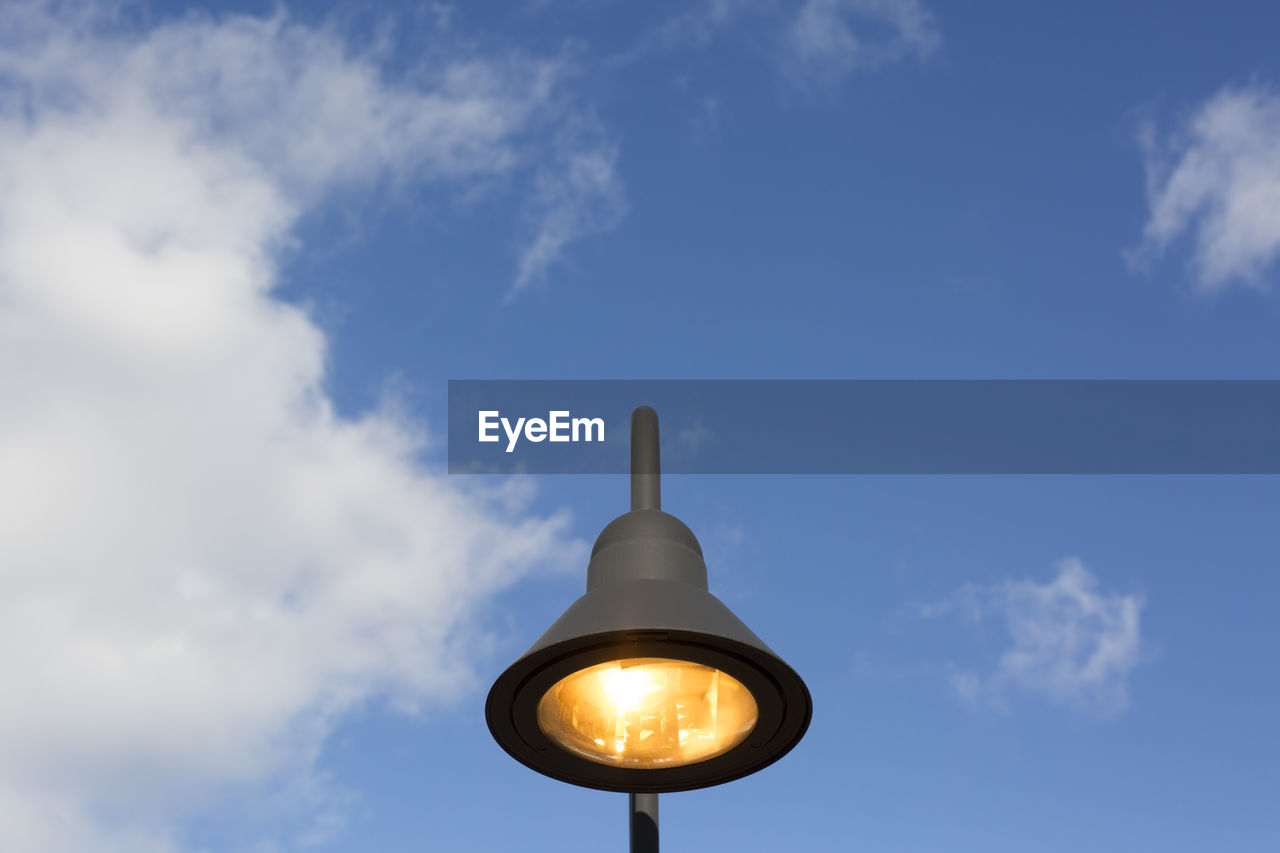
<point>648,683</point>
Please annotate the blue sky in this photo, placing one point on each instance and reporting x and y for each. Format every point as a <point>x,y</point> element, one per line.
<point>244,246</point>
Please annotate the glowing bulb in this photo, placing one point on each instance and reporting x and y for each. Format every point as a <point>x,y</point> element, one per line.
<point>648,712</point>
<point>627,687</point>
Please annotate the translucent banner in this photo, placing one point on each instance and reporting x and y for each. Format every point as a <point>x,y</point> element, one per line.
<point>870,426</point>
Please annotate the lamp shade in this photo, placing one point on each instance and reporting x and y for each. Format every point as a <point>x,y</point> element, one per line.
<point>648,683</point>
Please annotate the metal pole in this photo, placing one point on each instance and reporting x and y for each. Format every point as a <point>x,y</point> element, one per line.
<point>644,823</point>
<point>646,493</point>
<point>646,486</point>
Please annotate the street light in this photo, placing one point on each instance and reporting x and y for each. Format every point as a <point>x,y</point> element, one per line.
<point>647,683</point>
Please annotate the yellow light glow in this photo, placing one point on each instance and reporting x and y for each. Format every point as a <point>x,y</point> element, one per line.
<point>648,713</point>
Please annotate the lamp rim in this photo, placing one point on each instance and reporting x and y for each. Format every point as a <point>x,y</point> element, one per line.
<point>784,708</point>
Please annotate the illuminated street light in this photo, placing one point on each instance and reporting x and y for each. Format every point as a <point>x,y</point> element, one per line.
<point>648,683</point>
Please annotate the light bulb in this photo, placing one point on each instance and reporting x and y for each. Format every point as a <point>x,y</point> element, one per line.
<point>648,712</point>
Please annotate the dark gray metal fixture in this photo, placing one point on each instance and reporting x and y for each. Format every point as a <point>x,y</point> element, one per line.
<point>647,619</point>
<point>644,823</point>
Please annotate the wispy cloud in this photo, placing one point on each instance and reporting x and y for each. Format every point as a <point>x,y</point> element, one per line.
<point>811,42</point>
<point>1218,178</point>
<point>831,38</point>
<point>203,564</point>
<point>1069,642</point>
<point>577,193</point>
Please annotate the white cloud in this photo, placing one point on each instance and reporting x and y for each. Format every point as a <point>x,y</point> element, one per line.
<point>814,41</point>
<point>830,38</point>
<point>202,564</point>
<point>1070,642</point>
<point>699,23</point>
<point>314,116</point>
<point>577,194</point>
<point>1219,178</point>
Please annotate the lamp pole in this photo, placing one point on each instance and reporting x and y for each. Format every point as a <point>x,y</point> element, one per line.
<point>646,470</point>
<point>646,493</point>
<point>644,823</point>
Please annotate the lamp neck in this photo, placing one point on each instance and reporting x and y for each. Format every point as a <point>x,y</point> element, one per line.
<point>646,543</point>
<point>646,485</point>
